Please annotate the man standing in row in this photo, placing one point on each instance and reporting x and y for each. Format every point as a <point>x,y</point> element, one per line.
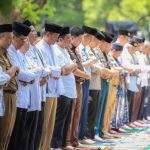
<point>64,102</point>
<point>54,86</point>
<point>80,76</point>
<point>7,121</point>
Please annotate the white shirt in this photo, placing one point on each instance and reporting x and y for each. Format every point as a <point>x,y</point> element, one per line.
<point>4,78</point>
<point>143,76</point>
<point>35,90</point>
<point>68,80</point>
<point>23,93</point>
<point>54,87</point>
<point>36,57</point>
<point>127,61</point>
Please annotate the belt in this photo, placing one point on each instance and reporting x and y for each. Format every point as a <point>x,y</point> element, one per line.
<point>108,80</point>
<point>133,75</point>
<point>31,82</point>
<point>79,82</point>
<point>9,91</point>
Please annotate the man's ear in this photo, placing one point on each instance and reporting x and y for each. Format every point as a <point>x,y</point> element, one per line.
<point>47,34</point>
<point>71,37</point>
<point>60,39</point>
<point>2,35</point>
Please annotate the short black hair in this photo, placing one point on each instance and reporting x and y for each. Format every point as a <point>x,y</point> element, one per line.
<point>61,36</point>
<point>76,31</point>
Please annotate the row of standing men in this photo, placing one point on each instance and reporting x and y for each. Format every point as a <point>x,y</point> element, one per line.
<point>69,85</point>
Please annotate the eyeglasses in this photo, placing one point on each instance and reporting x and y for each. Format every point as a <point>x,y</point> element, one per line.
<point>22,39</point>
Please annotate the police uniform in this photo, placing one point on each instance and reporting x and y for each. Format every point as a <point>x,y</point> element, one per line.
<point>54,88</point>
<point>7,122</point>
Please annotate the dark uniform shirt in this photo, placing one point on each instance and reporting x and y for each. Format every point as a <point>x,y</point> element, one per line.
<point>6,64</point>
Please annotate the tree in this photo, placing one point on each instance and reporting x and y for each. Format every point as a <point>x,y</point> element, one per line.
<point>68,12</point>
<point>5,10</point>
<point>75,12</point>
<point>34,10</point>
<point>98,12</point>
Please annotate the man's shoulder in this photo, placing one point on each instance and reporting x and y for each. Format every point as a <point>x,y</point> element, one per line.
<point>2,51</point>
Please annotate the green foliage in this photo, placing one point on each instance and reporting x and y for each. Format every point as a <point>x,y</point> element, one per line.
<point>32,10</point>
<point>68,12</point>
<point>5,6</point>
<point>77,12</point>
<point>97,12</point>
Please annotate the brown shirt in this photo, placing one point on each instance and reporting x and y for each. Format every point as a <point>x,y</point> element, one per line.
<point>6,64</point>
<point>76,58</point>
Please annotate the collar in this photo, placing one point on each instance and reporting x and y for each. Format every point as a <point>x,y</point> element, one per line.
<point>12,48</point>
<point>45,43</point>
<point>2,50</point>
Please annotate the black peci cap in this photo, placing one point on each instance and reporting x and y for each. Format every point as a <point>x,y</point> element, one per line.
<point>27,23</point>
<point>100,36</point>
<point>89,30</point>
<point>5,28</point>
<point>64,31</point>
<point>52,28</point>
<point>108,38</point>
<point>20,28</point>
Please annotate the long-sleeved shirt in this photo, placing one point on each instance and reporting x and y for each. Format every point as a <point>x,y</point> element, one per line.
<point>69,79</point>
<point>36,57</point>
<point>54,87</point>
<point>24,99</point>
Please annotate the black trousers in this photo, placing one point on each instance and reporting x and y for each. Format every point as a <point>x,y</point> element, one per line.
<point>143,112</point>
<point>63,116</point>
<point>130,96</point>
<point>93,107</point>
<point>148,105</point>
<point>18,134</point>
<point>30,129</point>
<point>39,127</point>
